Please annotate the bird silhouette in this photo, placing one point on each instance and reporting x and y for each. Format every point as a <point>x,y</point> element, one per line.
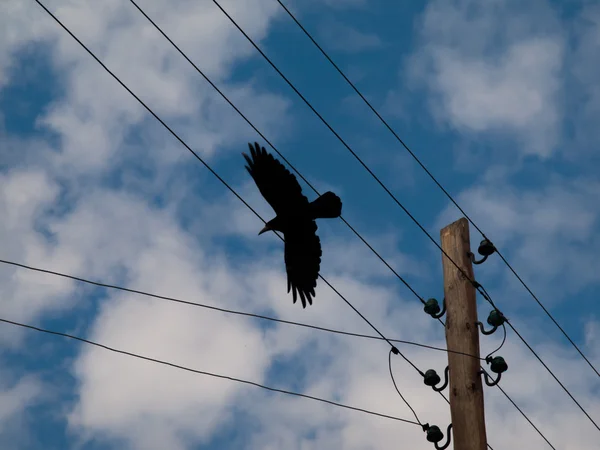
<point>295,218</point>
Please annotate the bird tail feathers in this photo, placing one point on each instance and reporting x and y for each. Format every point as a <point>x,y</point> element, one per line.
<point>327,206</point>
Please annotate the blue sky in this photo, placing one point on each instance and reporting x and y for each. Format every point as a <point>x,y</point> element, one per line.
<point>499,100</point>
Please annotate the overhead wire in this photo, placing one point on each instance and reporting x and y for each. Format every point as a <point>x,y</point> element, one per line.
<point>243,116</point>
<point>335,133</point>
<point>213,172</point>
<point>207,166</point>
<point>439,185</point>
<point>202,372</point>
<point>199,158</point>
<point>228,311</point>
<point>204,163</point>
<point>324,121</point>
<point>501,343</point>
<point>398,390</point>
<point>159,29</point>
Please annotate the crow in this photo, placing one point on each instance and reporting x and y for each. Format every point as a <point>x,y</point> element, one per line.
<point>295,218</point>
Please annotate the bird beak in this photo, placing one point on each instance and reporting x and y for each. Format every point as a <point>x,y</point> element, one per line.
<point>266,228</point>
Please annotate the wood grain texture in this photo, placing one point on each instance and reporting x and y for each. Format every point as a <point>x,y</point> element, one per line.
<point>466,391</point>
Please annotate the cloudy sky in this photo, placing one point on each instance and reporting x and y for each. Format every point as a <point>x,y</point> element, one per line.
<point>500,101</point>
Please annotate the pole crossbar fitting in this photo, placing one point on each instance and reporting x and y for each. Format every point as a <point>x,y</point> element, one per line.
<point>486,248</point>
<point>431,378</point>
<point>435,435</point>
<point>498,365</point>
<point>432,307</point>
<point>495,319</point>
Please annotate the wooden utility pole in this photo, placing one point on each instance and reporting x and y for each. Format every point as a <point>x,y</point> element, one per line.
<point>462,335</point>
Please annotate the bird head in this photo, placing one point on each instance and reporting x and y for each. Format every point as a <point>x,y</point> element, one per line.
<point>272,225</point>
<point>267,227</point>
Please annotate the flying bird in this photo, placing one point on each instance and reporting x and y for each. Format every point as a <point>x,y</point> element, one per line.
<point>295,218</point>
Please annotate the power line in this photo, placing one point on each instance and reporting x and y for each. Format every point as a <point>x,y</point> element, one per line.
<point>500,346</point>
<point>228,311</point>
<point>216,88</point>
<point>206,78</point>
<point>335,133</point>
<point>206,165</point>
<point>201,372</point>
<point>225,183</point>
<point>391,130</point>
<point>198,157</point>
<point>364,165</point>
<point>398,390</point>
<point>159,29</point>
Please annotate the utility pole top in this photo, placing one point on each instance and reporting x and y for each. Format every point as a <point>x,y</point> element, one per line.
<point>462,335</point>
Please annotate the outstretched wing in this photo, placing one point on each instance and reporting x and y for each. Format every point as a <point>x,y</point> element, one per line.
<point>277,185</point>
<point>302,260</point>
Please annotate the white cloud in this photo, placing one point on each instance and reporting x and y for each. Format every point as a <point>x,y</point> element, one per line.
<point>16,398</point>
<point>180,402</point>
<point>117,234</point>
<point>25,199</point>
<point>493,67</point>
<point>95,114</point>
